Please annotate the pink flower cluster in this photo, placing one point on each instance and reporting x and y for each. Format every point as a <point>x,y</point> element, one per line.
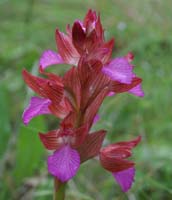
<point>76,98</point>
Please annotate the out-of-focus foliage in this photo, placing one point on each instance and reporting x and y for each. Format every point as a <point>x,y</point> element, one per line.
<point>144,27</point>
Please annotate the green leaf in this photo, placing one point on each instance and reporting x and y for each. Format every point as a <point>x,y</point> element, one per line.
<point>29,151</point>
<point>4,121</point>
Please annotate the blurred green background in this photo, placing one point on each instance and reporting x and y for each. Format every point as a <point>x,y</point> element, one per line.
<point>144,27</point>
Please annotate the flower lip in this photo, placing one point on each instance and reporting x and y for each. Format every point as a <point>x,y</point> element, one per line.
<point>125,178</point>
<point>64,163</point>
<point>48,58</point>
<point>37,106</point>
<point>119,69</point>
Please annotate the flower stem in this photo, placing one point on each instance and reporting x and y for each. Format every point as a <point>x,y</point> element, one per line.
<point>59,190</point>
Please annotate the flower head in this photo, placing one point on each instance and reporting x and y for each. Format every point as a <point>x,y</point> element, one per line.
<point>76,97</point>
<point>84,39</point>
<point>113,158</point>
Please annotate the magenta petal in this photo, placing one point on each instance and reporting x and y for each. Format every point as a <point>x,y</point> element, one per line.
<point>96,118</point>
<point>111,94</point>
<point>137,91</point>
<point>37,106</point>
<point>48,58</point>
<point>64,163</point>
<point>120,70</point>
<point>125,178</point>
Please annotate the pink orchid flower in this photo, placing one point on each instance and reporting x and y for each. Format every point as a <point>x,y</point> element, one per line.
<point>76,97</point>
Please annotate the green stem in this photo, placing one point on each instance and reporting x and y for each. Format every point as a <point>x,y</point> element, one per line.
<point>59,190</point>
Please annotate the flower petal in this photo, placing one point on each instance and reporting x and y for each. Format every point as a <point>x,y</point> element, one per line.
<point>37,106</point>
<point>91,145</point>
<point>64,163</point>
<point>118,87</point>
<point>104,52</point>
<point>137,91</point>
<point>62,109</point>
<point>94,88</point>
<point>80,135</point>
<point>48,58</point>
<point>96,119</point>
<point>51,88</point>
<point>129,57</point>
<point>90,21</point>
<point>73,87</point>
<point>91,42</point>
<point>111,94</point>
<point>66,48</point>
<point>114,157</point>
<point>51,140</point>
<point>99,29</point>
<point>120,70</point>
<point>129,144</point>
<point>78,36</point>
<point>35,83</point>
<point>125,178</point>
<point>115,164</point>
<point>92,109</point>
